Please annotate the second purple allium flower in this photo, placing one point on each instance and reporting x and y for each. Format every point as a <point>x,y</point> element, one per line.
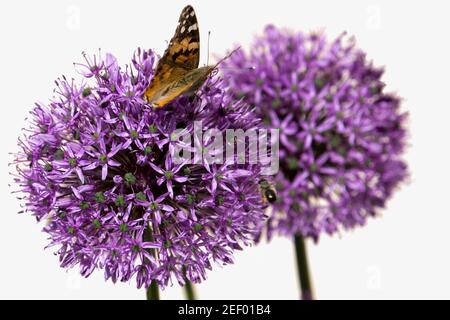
<point>341,135</point>
<point>97,164</point>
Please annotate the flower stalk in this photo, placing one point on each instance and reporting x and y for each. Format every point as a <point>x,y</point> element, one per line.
<point>188,287</point>
<point>189,291</point>
<point>153,291</point>
<point>303,269</point>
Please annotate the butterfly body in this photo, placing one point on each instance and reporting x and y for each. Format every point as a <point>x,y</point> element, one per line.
<point>177,71</point>
<point>187,83</point>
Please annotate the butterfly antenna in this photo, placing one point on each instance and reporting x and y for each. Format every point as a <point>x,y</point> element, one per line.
<point>249,68</point>
<point>207,58</point>
<point>228,55</point>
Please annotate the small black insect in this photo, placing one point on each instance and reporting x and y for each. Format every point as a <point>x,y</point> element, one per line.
<point>268,192</point>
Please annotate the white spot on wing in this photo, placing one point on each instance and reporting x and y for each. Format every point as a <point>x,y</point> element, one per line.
<point>193,27</point>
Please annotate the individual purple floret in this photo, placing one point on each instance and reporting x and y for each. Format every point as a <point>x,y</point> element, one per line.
<point>341,135</point>
<point>98,164</point>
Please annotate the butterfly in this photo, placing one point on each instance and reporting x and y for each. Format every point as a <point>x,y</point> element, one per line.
<point>177,72</point>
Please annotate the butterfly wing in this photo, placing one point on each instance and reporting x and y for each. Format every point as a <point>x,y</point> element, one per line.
<point>188,83</point>
<point>181,56</point>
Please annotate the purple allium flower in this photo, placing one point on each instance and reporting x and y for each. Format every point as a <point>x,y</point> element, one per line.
<point>341,135</point>
<point>97,164</point>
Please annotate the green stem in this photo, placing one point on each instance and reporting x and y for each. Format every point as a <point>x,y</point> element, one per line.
<point>189,290</point>
<point>188,287</point>
<point>153,291</point>
<point>303,270</point>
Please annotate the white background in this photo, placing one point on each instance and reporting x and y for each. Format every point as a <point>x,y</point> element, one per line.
<point>403,254</point>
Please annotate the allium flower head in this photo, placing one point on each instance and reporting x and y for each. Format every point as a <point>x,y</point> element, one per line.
<point>341,135</point>
<point>98,165</point>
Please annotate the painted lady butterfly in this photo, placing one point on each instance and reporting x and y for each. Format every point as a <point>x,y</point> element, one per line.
<point>177,71</point>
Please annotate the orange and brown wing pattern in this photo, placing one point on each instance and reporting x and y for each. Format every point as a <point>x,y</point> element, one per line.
<point>187,84</point>
<point>181,56</point>
<point>184,47</point>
